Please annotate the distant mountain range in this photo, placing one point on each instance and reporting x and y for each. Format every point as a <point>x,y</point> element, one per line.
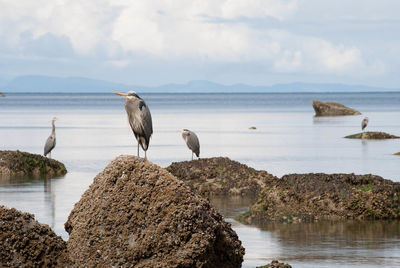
<point>36,83</point>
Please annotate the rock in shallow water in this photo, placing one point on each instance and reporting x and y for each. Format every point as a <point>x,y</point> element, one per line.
<point>310,197</point>
<point>372,136</point>
<point>276,264</point>
<point>332,109</point>
<point>26,243</point>
<point>219,176</point>
<point>16,163</point>
<point>137,214</point>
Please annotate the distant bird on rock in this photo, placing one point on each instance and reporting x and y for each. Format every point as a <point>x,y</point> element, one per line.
<point>364,123</point>
<point>139,118</point>
<point>191,141</point>
<point>51,140</point>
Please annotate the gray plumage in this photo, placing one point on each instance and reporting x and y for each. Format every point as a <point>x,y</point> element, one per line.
<point>191,141</point>
<point>139,118</point>
<point>364,123</point>
<point>51,140</point>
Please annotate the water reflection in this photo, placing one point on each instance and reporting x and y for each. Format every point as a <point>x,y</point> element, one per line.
<point>50,199</point>
<point>37,194</point>
<point>321,244</point>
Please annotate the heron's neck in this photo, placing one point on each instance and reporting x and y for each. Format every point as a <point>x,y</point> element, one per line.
<point>53,130</point>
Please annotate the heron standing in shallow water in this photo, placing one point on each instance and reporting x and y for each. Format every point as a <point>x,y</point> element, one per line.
<point>364,123</point>
<point>139,118</point>
<point>191,141</point>
<point>51,140</point>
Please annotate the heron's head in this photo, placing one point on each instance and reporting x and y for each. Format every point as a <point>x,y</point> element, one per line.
<point>366,118</point>
<point>128,95</point>
<point>185,132</point>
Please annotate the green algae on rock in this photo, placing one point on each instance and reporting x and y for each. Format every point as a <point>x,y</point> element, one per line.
<point>219,176</point>
<point>276,264</point>
<point>16,163</point>
<point>376,135</point>
<point>332,109</point>
<point>312,197</point>
<point>24,242</point>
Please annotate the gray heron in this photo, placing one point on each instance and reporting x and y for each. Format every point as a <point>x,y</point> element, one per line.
<point>191,141</point>
<point>364,123</point>
<point>139,118</point>
<point>51,140</point>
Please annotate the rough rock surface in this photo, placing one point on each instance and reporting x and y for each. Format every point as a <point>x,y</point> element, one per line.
<point>276,264</point>
<point>332,109</point>
<point>26,243</point>
<point>372,136</point>
<point>137,214</point>
<point>220,176</point>
<point>310,197</point>
<point>16,163</point>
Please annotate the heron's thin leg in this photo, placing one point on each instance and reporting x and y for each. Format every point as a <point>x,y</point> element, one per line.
<point>145,155</point>
<point>50,155</point>
<point>192,156</point>
<point>138,149</point>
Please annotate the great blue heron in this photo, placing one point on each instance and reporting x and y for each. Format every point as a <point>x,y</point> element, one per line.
<point>191,141</point>
<point>51,140</point>
<point>364,123</point>
<point>139,118</point>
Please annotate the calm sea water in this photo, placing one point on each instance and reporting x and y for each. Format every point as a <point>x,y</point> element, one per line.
<point>94,130</point>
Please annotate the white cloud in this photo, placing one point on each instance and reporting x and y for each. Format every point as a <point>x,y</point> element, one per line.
<point>200,30</point>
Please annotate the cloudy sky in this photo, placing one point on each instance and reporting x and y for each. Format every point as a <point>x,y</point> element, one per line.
<point>153,42</point>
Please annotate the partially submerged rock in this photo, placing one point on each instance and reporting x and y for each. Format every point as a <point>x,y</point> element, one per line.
<point>26,243</point>
<point>397,153</point>
<point>2,94</point>
<point>311,197</point>
<point>16,163</point>
<point>220,176</point>
<point>332,109</point>
<point>137,214</point>
<point>276,264</point>
<point>372,136</point>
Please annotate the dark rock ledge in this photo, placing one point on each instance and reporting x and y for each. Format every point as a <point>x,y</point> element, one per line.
<point>221,176</point>
<point>313,197</point>
<point>26,243</point>
<point>372,136</point>
<point>18,164</point>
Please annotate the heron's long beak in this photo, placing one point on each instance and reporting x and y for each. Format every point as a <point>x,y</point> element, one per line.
<point>57,118</point>
<point>180,130</point>
<point>120,94</point>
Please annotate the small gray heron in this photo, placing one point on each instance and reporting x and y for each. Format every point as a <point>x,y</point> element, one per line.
<point>191,141</point>
<point>139,118</point>
<point>364,123</point>
<point>51,140</point>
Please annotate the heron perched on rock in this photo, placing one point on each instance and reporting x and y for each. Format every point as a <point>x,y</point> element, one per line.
<point>51,140</point>
<point>364,123</point>
<point>191,141</point>
<point>139,118</point>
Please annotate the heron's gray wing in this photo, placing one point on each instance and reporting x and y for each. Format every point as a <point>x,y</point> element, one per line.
<point>193,143</point>
<point>146,119</point>
<point>139,118</point>
<point>364,124</point>
<point>50,144</point>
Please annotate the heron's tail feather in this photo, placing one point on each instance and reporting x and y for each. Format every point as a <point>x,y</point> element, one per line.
<point>144,143</point>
